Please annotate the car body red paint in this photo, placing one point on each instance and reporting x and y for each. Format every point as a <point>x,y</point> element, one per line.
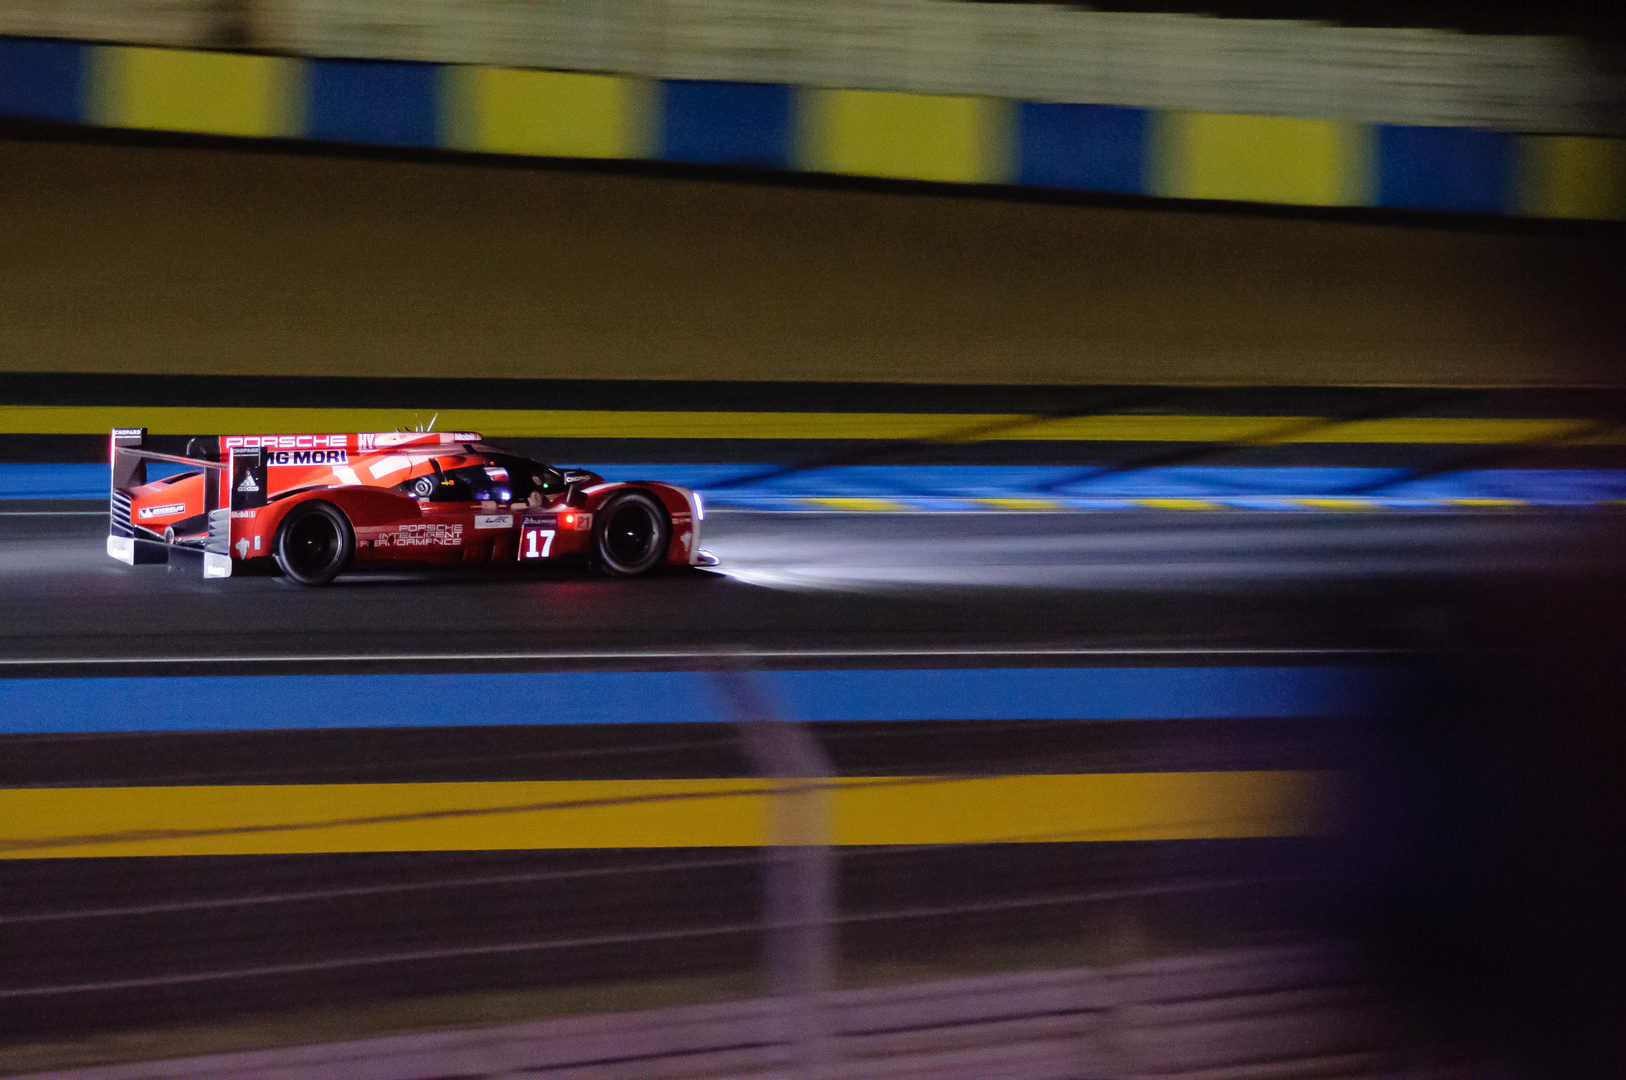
<point>407,497</point>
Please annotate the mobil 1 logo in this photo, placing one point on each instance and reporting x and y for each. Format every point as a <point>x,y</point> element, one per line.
<point>307,457</point>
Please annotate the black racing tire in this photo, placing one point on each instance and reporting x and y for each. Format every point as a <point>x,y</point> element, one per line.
<point>314,543</point>
<point>631,534</point>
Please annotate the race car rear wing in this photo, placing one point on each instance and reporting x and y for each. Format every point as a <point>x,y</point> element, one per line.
<point>237,482</point>
<point>134,544</point>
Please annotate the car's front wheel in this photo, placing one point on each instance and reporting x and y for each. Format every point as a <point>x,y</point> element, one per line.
<point>631,534</point>
<point>314,543</point>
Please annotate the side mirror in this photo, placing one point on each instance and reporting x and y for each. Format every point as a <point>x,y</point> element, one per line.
<point>575,480</point>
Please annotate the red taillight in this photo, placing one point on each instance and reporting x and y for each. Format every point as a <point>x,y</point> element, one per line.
<point>570,519</point>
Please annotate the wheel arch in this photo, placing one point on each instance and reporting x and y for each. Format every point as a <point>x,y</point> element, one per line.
<point>676,502</point>
<point>342,557</point>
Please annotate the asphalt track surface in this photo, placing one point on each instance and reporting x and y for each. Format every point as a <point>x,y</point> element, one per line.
<point>96,943</point>
<point>818,583</point>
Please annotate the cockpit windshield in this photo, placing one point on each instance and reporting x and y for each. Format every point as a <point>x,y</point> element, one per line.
<point>505,479</point>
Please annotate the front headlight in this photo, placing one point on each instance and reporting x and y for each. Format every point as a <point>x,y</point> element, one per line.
<point>699,507</point>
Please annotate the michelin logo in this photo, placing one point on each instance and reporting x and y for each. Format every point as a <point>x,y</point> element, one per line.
<point>161,511</point>
<point>307,457</point>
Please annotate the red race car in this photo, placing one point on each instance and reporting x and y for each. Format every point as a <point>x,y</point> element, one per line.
<point>315,505</point>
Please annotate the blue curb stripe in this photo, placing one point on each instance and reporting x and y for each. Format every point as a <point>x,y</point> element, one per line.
<point>42,80</point>
<point>285,702</point>
<point>957,487</point>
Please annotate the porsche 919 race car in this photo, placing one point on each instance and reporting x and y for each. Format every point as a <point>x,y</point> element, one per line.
<point>313,506</point>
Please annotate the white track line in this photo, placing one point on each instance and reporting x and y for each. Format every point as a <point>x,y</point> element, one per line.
<point>692,655</point>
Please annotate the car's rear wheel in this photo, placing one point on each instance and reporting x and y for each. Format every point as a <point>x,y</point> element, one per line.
<point>631,534</point>
<point>314,543</point>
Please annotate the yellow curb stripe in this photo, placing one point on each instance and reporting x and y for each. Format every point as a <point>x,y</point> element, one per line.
<point>1180,504</point>
<point>1336,503</point>
<point>1018,504</point>
<point>322,818</point>
<point>857,503</point>
<point>652,424</point>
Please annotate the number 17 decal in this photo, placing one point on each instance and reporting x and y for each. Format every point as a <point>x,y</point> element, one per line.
<point>529,546</point>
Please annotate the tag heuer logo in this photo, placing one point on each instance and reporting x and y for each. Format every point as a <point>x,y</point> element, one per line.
<point>248,483</point>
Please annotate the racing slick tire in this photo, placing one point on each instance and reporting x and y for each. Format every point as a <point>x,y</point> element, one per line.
<point>631,535</point>
<point>314,543</point>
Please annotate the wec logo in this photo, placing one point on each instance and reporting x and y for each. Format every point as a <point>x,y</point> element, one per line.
<point>307,457</point>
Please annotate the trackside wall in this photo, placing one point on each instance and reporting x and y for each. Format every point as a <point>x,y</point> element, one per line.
<point>1177,150</point>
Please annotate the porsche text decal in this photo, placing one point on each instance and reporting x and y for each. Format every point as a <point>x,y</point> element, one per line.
<point>424,535</point>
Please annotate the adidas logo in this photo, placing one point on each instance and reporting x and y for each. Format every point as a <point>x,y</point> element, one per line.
<point>248,483</point>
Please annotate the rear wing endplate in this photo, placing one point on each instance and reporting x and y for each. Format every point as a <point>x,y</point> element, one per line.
<point>133,544</point>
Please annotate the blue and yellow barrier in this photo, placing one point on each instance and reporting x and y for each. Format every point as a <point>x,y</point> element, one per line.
<point>206,93</point>
<point>727,123</point>
<point>1568,176</point>
<point>544,113</point>
<point>1084,147</point>
<point>1265,159</point>
<point>43,80</point>
<point>902,136</point>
